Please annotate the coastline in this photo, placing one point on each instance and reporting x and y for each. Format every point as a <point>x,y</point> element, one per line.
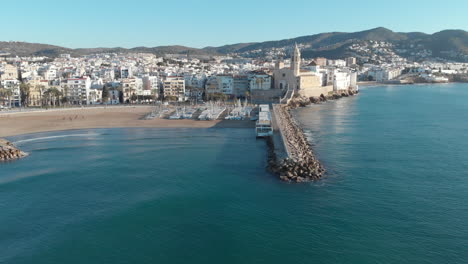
<point>29,122</point>
<point>370,84</point>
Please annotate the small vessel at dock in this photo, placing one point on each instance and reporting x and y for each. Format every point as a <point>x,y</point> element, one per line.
<point>263,127</point>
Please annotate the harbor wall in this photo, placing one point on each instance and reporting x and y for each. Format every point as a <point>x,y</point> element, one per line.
<point>300,163</point>
<point>316,91</point>
<point>266,96</point>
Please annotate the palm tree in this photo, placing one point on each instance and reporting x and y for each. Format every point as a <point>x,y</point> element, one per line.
<point>4,92</point>
<point>56,94</point>
<point>154,94</point>
<point>25,90</point>
<point>65,94</point>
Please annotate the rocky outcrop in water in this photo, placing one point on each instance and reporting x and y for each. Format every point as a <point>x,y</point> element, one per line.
<point>301,165</point>
<point>8,151</point>
<point>301,101</point>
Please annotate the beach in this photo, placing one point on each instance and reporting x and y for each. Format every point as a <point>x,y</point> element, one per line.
<point>19,123</point>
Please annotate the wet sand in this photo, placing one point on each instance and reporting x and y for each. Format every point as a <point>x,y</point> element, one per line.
<point>67,119</point>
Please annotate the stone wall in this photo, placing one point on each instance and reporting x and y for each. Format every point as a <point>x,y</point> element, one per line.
<point>316,91</point>
<point>263,96</point>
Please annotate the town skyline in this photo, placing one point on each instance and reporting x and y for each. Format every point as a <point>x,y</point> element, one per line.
<point>207,23</point>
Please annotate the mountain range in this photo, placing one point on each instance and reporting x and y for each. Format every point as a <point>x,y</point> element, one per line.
<point>446,44</point>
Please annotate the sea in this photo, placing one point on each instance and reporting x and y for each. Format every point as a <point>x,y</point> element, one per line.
<point>396,189</point>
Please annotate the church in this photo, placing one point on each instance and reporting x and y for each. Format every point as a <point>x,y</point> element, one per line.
<point>303,82</point>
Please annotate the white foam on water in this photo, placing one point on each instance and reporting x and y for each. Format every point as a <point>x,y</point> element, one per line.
<point>54,137</point>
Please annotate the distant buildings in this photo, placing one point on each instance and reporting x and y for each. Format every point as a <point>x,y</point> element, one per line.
<point>295,79</point>
<point>350,61</point>
<point>174,86</point>
<point>319,61</point>
<point>241,85</point>
<point>259,81</point>
<point>78,90</point>
<point>151,85</point>
<point>384,74</point>
<point>143,78</point>
<point>114,97</point>
<point>9,72</point>
<point>13,86</point>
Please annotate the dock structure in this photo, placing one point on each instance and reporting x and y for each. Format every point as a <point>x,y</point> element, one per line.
<point>264,127</point>
<point>298,162</point>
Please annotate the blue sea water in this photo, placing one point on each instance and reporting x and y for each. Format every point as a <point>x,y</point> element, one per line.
<point>395,192</point>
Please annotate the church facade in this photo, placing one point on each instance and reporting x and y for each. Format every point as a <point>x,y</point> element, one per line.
<point>303,82</point>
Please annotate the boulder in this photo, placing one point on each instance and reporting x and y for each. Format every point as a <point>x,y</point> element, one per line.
<point>10,152</point>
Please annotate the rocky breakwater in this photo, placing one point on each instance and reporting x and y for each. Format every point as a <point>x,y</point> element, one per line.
<point>301,165</point>
<point>301,101</point>
<point>8,151</point>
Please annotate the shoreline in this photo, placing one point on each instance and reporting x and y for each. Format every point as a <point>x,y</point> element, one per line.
<point>370,84</point>
<point>15,124</point>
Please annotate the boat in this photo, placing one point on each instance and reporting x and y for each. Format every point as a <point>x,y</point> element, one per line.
<point>263,126</point>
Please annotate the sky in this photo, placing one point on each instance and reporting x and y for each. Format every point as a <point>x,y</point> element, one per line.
<point>201,23</point>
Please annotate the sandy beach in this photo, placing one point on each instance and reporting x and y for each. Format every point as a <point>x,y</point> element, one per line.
<point>66,119</point>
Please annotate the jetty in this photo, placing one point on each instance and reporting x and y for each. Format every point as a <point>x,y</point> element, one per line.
<point>9,152</point>
<point>290,155</point>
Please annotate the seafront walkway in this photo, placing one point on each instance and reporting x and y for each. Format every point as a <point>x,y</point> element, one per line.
<point>52,109</point>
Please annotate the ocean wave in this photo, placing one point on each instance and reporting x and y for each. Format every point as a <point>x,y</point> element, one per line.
<point>55,137</point>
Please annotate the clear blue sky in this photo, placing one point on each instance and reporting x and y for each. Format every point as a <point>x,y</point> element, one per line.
<point>200,23</point>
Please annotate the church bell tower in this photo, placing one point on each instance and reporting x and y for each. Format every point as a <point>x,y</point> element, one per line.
<point>296,61</point>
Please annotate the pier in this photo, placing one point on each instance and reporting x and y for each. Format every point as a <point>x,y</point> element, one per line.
<point>290,154</point>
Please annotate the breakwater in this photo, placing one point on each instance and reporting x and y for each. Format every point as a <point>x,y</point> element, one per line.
<point>301,101</point>
<point>8,151</point>
<point>300,165</point>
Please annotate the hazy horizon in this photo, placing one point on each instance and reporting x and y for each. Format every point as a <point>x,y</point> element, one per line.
<point>210,23</point>
<point>207,46</point>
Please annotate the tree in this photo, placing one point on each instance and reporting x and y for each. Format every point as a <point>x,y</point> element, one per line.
<point>121,97</point>
<point>25,90</point>
<point>65,98</point>
<point>133,98</point>
<point>6,93</point>
<point>155,94</point>
<point>57,95</point>
<point>217,97</point>
<point>52,96</point>
<point>105,93</point>
<point>170,98</point>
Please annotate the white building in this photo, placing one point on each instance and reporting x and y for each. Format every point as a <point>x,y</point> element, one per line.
<point>113,97</point>
<point>225,84</point>
<point>151,85</point>
<point>78,90</point>
<point>50,73</point>
<point>174,86</point>
<point>14,86</point>
<point>341,81</point>
<point>258,81</point>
